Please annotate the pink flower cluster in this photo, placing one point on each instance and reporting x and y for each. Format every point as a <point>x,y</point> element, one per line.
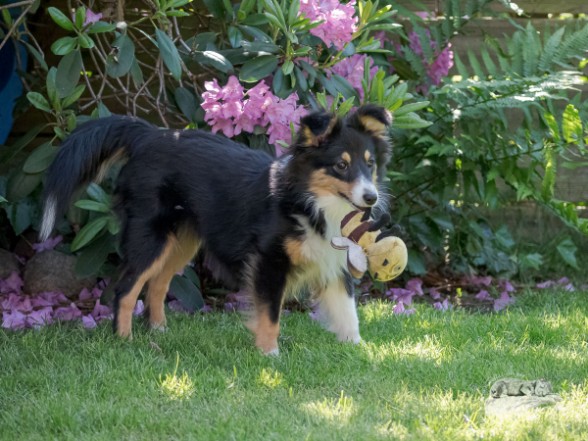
<point>403,297</point>
<point>436,68</point>
<point>338,21</point>
<point>352,69</point>
<point>232,110</point>
<point>20,311</point>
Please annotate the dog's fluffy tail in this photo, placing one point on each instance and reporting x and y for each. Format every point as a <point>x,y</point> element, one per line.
<point>83,156</point>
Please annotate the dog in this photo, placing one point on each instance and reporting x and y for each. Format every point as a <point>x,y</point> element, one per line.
<point>266,224</point>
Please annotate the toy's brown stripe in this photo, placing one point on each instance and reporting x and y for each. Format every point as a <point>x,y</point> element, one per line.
<point>359,231</point>
<point>347,218</point>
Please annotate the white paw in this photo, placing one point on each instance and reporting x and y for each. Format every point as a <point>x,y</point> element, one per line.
<point>159,328</point>
<point>349,336</point>
<point>272,353</point>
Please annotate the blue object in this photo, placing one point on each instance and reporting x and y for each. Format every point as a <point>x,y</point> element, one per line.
<point>10,84</point>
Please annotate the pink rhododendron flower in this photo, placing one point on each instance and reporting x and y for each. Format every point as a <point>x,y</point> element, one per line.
<point>13,320</point>
<point>40,317</point>
<point>483,295</point>
<point>503,301</point>
<point>231,110</point>
<point>339,22</point>
<point>400,309</point>
<point>437,67</point>
<point>92,17</point>
<point>88,322</point>
<point>139,308</point>
<point>415,285</point>
<point>352,69</point>
<point>12,284</point>
<point>222,105</point>
<point>66,313</point>
<point>49,244</point>
<point>442,306</point>
<point>279,116</point>
<point>434,293</point>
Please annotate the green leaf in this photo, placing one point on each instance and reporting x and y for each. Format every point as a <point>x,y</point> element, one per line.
<point>75,95</point>
<point>64,45</point>
<point>80,17</point>
<point>68,73</point>
<point>21,184</point>
<point>412,107</point>
<point>287,67</point>
<point>214,59</point>
<point>52,89</point>
<point>551,123</point>
<point>100,27</point>
<point>60,18</point>
<point>91,259</point>
<point>89,232</point>
<point>9,152</point>
<point>186,102</point>
<point>187,293</point>
<point>169,53</point>
<point>21,215</point>
<point>235,36</point>
<point>137,74</point>
<point>567,250</point>
<point>120,63</point>
<point>40,159</point>
<point>572,124</point>
<point>410,121</point>
<point>90,205</point>
<point>98,194</point>
<point>86,41</point>
<point>38,56</point>
<point>39,101</point>
<point>258,68</point>
<point>216,8</point>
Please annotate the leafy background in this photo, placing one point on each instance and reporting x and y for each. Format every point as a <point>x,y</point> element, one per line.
<point>473,131</point>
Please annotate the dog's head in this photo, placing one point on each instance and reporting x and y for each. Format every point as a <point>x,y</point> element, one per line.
<point>345,157</point>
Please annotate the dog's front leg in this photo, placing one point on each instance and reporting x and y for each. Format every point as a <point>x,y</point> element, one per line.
<point>337,309</point>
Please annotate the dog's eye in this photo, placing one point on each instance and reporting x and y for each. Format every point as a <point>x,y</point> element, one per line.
<point>342,165</point>
<point>371,163</point>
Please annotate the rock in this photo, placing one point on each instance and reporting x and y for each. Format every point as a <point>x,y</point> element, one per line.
<point>8,264</point>
<point>54,271</point>
<point>510,406</point>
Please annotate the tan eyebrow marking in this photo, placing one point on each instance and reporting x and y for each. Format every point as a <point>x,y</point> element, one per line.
<point>346,157</point>
<point>367,155</point>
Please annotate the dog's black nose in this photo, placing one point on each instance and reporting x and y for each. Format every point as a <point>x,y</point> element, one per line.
<point>370,198</point>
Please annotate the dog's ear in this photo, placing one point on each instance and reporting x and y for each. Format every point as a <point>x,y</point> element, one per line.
<point>373,119</point>
<point>315,128</point>
<point>376,121</point>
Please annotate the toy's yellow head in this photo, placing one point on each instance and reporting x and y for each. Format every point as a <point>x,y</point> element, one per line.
<point>384,256</point>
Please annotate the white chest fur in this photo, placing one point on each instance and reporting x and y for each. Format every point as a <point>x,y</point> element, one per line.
<point>323,264</point>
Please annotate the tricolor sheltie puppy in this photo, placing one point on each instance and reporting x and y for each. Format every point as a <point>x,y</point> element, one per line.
<point>266,224</point>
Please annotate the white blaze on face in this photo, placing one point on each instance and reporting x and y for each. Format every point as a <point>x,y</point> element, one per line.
<point>361,187</point>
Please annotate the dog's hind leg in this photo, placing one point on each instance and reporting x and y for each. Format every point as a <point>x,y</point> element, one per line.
<point>183,246</point>
<point>145,255</point>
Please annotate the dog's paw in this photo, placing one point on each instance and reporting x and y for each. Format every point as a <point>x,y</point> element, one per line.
<point>158,327</point>
<point>349,336</point>
<point>273,353</point>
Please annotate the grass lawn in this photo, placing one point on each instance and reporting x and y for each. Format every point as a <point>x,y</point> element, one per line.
<point>418,377</point>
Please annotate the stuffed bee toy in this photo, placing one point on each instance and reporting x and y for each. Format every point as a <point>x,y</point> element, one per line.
<point>369,248</point>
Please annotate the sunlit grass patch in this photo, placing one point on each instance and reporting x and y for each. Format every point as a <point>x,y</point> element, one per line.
<point>337,410</point>
<point>423,377</point>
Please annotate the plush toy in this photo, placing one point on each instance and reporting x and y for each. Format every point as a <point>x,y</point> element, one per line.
<point>369,249</point>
